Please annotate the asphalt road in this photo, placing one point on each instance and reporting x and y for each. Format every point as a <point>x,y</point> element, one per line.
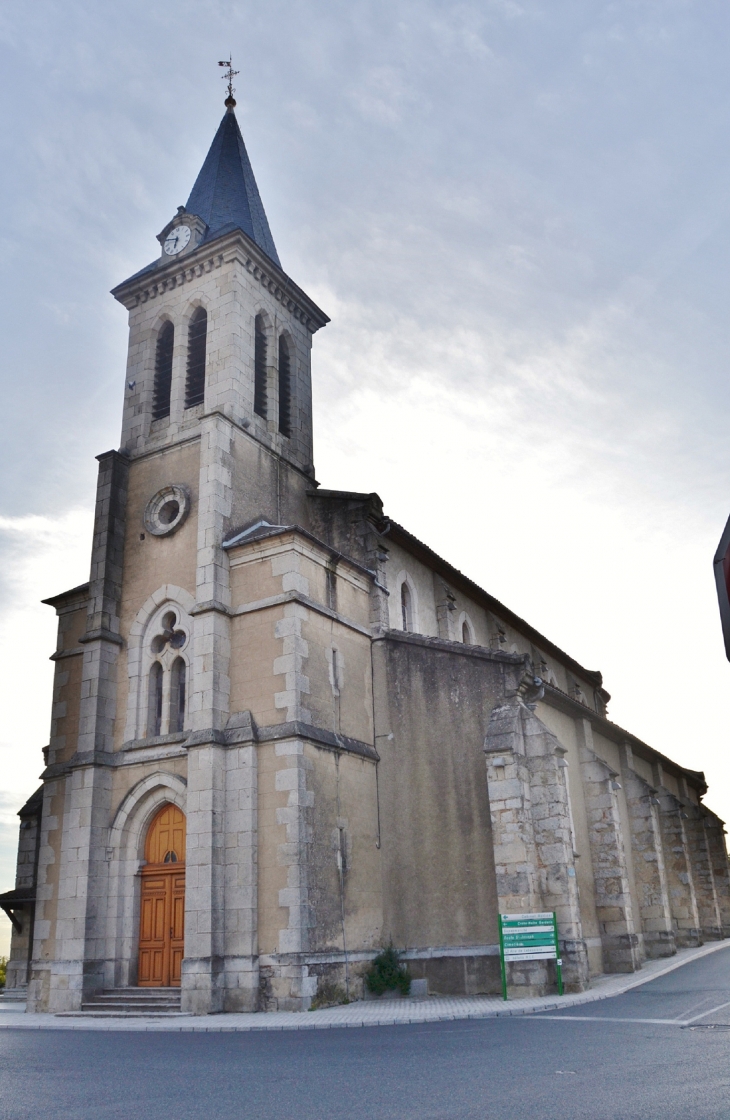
<point>659,1052</point>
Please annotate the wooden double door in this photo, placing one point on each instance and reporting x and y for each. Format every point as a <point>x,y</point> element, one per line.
<point>162,903</point>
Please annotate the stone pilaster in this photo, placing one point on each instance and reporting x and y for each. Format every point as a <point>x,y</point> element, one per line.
<point>702,876</point>
<point>655,915</point>
<point>203,964</point>
<point>701,861</point>
<point>26,876</point>
<point>532,837</point>
<point>445,610</point>
<point>241,862</point>
<point>289,986</point>
<point>677,866</point>
<point>608,856</point>
<point>79,967</point>
<point>204,969</point>
<point>715,833</point>
<point>377,561</point>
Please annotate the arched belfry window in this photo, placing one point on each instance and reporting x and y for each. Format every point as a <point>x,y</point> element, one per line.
<point>406,606</point>
<point>177,695</point>
<point>163,371</point>
<point>284,387</point>
<point>259,368</point>
<point>195,379</point>
<point>154,700</point>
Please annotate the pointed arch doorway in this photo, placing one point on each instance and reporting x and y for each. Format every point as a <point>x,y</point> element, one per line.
<point>162,902</point>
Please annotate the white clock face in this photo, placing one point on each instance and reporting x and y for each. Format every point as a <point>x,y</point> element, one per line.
<point>176,240</point>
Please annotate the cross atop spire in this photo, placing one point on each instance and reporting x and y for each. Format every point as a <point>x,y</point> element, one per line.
<point>230,75</point>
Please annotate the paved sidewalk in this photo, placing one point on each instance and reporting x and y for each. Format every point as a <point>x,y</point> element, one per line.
<point>376,1013</point>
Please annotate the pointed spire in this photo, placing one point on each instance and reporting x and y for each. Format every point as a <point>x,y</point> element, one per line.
<point>225,194</point>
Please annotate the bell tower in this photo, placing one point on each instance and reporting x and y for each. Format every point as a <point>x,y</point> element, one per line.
<point>217,432</point>
<point>215,310</point>
<point>216,438</point>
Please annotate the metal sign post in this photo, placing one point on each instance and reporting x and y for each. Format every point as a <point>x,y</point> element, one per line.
<point>529,937</point>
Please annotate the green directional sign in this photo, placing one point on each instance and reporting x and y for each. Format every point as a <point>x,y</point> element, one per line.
<point>529,937</point>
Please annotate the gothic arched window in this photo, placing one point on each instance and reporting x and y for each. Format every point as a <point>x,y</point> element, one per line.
<point>177,695</point>
<point>163,371</point>
<point>465,633</point>
<point>406,607</point>
<point>195,379</point>
<point>284,387</point>
<point>259,368</point>
<point>154,700</point>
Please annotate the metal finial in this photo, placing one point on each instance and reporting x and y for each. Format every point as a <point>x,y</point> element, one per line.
<point>229,76</point>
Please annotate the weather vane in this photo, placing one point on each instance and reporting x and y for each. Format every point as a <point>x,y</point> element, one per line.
<point>229,76</point>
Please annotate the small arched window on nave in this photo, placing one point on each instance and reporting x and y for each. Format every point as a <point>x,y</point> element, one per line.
<point>177,695</point>
<point>154,700</point>
<point>259,368</point>
<point>284,387</point>
<point>406,607</point>
<point>195,376</point>
<point>163,371</point>
<point>466,633</point>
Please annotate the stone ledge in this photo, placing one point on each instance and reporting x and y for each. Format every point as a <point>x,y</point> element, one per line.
<point>102,635</point>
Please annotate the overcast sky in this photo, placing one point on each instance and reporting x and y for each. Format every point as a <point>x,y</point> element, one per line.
<point>517,216</point>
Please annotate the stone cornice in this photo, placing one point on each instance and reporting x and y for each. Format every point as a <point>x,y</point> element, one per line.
<point>480,653</point>
<point>286,293</point>
<point>318,735</point>
<point>71,599</point>
<point>101,634</point>
<point>304,601</point>
<point>209,257</point>
<point>556,698</point>
<point>156,283</point>
<point>271,532</point>
<point>481,597</point>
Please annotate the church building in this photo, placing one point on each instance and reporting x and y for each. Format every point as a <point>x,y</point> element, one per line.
<point>285,733</point>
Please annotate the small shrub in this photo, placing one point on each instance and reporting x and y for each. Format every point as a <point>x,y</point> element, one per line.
<point>3,970</point>
<point>329,994</point>
<point>386,973</point>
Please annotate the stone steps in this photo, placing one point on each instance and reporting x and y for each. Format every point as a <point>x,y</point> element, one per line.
<point>13,995</point>
<point>133,1001</point>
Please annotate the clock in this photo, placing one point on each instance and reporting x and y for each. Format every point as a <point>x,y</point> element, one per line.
<point>176,240</point>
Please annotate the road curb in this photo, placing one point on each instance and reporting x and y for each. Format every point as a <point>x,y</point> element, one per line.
<point>407,1014</point>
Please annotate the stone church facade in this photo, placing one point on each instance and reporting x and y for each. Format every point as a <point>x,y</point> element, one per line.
<point>285,732</point>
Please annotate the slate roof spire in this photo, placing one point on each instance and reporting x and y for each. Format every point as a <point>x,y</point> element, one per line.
<point>225,194</point>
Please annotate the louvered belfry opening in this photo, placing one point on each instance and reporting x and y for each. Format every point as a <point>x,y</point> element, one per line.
<point>259,368</point>
<point>163,372</point>
<point>195,379</point>
<point>284,388</point>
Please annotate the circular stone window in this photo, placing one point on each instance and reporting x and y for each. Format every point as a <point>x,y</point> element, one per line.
<point>167,510</point>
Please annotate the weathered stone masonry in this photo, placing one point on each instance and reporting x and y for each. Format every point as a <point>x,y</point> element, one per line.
<point>365,746</point>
